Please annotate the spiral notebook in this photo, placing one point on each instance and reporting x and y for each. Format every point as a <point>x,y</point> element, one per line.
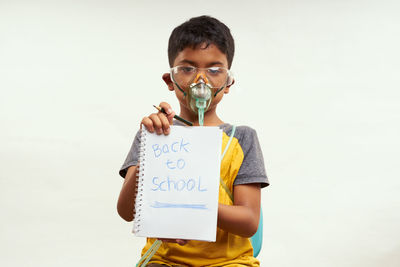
<point>178,184</point>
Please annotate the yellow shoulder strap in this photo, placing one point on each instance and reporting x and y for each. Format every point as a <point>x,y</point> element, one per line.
<point>223,184</point>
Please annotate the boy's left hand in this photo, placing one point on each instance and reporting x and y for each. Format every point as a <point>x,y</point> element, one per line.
<point>169,240</point>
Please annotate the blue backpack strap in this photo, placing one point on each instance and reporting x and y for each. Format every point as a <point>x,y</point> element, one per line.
<point>257,238</point>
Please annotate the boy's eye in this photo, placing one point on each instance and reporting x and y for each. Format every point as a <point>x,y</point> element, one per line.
<point>187,69</point>
<point>214,70</point>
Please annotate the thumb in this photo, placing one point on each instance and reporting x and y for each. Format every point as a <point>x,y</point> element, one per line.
<point>168,110</point>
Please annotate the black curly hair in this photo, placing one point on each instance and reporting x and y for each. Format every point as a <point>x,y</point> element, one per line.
<point>201,30</point>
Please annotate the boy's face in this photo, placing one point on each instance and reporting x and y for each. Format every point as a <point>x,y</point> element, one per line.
<point>199,57</point>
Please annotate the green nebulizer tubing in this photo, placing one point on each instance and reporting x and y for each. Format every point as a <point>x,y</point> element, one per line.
<point>201,105</point>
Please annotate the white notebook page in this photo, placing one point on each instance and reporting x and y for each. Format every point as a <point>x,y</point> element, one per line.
<point>178,190</point>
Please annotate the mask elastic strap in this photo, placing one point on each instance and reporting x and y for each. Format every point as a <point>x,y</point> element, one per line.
<point>219,90</point>
<point>226,83</point>
<point>177,85</point>
<point>184,93</point>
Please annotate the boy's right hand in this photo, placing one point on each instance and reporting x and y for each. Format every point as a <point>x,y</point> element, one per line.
<point>159,122</point>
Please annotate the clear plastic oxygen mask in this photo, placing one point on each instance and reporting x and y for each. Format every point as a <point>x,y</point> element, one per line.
<point>200,86</point>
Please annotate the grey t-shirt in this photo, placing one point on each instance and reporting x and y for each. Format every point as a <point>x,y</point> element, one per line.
<point>252,169</point>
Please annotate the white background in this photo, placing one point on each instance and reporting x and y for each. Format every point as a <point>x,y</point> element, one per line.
<point>318,80</point>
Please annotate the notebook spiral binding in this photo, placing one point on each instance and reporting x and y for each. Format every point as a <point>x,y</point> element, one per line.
<point>140,182</point>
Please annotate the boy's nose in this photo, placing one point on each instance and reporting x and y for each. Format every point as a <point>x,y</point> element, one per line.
<point>200,77</point>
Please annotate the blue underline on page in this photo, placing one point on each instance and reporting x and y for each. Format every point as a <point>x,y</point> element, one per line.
<point>161,205</point>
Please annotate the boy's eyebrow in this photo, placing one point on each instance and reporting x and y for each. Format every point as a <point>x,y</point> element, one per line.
<point>214,63</point>
<point>187,62</point>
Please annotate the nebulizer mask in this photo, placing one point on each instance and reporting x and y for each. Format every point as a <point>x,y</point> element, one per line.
<point>200,85</point>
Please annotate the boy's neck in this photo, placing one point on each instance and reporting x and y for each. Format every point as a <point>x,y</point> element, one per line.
<point>210,117</point>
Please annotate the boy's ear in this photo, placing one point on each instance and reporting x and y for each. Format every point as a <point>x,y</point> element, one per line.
<point>168,81</point>
<point>226,90</point>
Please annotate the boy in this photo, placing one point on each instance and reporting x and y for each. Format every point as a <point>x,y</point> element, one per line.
<point>200,55</point>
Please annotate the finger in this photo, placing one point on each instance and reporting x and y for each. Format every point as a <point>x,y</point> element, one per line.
<point>178,241</point>
<point>181,242</point>
<point>170,117</point>
<point>168,109</point>
<point>156,123</point>
<point>148,123</point>
<point>167,240</point>
<point>164,122</point>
